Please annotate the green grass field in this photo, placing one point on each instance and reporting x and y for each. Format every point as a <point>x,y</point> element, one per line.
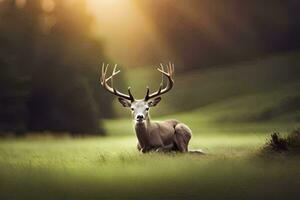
<point>231,129</point>
<point>111,168</point>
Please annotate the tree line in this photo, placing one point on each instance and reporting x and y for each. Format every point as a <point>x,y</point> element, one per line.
<point>49,63</point>
<point>205,33</point>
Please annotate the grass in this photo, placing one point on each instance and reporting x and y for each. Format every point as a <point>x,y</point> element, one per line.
<point>110,167</point>
<point>231,117</point>
<point>288,144</point>
<point>271,77</point>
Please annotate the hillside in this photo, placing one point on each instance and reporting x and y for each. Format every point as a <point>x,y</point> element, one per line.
<point>226,101</point>
<point>245,88</point>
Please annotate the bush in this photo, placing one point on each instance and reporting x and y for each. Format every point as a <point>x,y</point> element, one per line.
<point>278,143</point>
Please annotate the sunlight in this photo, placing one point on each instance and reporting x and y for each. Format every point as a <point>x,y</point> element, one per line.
<point>48,5</point>
<point>107,4</point>
<point>127,32</point>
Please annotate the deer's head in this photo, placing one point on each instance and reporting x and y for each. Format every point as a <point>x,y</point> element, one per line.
<point>139,107</point>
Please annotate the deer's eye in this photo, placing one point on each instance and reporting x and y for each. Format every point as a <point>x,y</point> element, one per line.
<point>132,109</point>
<point>147,109</point>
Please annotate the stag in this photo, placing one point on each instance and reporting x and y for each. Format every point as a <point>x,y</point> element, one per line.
<point>169,135</point>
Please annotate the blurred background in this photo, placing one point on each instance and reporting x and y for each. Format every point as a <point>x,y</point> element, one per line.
<point>236,60</point>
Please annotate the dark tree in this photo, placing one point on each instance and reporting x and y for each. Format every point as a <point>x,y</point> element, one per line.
<point>205,33</point>
<point>49,64</point>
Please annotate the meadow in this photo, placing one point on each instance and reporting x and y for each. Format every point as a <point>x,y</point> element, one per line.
<point>111,168</point>
<point>230,126</point>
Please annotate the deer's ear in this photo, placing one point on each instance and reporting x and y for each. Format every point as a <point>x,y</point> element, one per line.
<point>154,102</point>
<point>124,102</point>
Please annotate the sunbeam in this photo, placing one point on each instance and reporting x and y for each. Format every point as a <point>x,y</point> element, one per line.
<point>131,39</point>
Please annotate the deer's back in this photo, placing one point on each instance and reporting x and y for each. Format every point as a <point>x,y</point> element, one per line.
<point>165,130</point>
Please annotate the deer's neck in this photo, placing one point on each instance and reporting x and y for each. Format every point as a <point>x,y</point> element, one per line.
<point>142,131</point>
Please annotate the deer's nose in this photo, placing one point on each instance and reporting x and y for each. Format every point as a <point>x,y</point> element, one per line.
<point>140,117</point>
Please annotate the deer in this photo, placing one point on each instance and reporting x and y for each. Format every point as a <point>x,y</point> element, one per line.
<point>165,136</point>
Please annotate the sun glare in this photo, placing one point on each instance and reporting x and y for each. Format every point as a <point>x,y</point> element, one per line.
<point>126,31</point>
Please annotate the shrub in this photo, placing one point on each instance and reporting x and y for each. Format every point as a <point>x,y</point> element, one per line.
<point>278,143</point>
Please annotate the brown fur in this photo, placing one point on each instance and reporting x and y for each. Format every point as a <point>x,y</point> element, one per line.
<point>170,135</point>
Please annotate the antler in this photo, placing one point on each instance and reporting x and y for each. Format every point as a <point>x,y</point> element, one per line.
<point>110,88</point>
<point>169,74</point>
